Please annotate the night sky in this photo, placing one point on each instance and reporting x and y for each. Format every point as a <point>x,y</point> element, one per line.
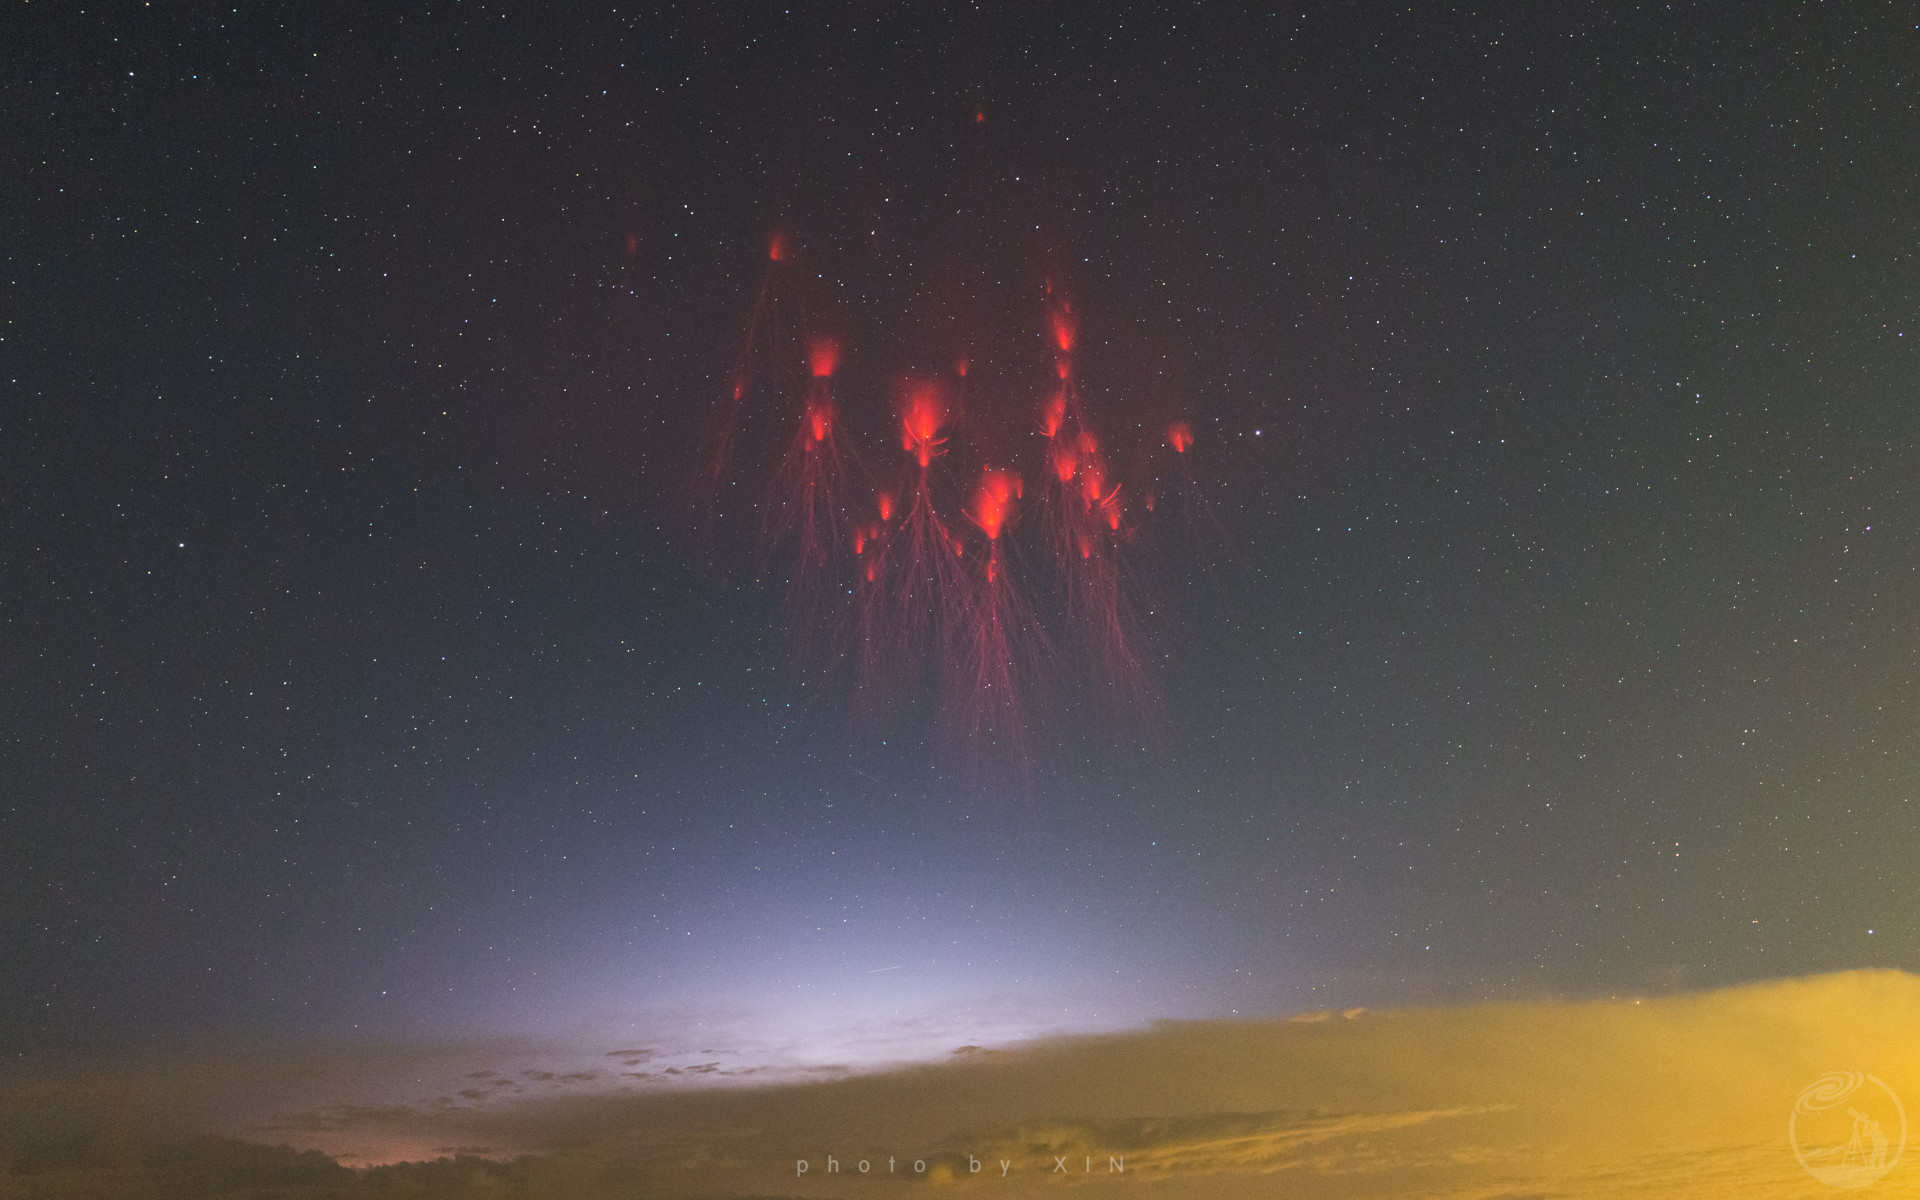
<point>371,666</point>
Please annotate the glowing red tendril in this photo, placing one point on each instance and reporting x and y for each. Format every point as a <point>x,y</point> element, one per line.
<point>1053,410</point>
<point>923,411</point>
<point>1063,329</point>
<point>1093,483</point>
<point>820,419</point>
<point>823,355</point>
<point>940,591</point>
<point>993,500</point>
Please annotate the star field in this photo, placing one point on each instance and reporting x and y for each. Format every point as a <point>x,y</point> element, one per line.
<point>1552,380</point>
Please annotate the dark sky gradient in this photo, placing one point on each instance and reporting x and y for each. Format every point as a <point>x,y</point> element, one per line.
<point>1554,377</point>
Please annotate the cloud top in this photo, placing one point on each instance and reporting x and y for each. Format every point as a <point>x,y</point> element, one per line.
<point>1686,1094</point>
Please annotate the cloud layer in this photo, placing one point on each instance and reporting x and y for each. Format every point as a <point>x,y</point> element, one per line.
<point>1678,1095</point>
